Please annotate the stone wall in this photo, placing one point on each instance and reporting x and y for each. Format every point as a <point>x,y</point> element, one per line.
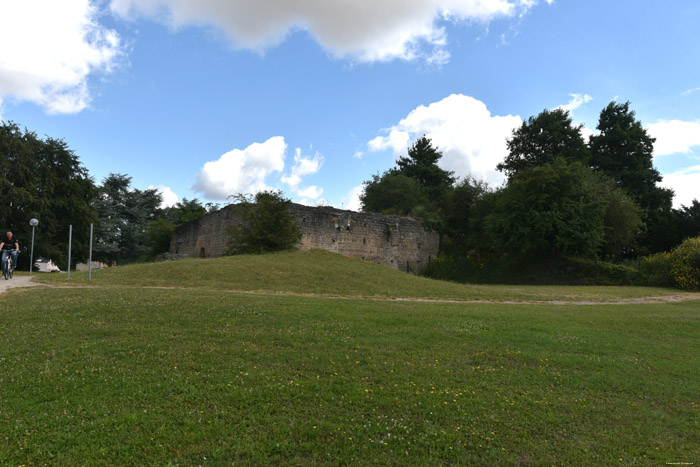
<point>393,241</point>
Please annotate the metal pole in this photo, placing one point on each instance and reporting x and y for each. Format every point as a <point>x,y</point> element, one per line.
<point>90,257</point>
<point>70,238</point>
<point>31,255</point>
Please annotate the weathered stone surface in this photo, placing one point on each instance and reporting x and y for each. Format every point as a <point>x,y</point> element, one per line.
<point>397,242</point>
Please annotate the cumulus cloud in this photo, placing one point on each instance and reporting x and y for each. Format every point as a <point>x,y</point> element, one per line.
<point>674,136</point>
<point>50,50</point>
<point>365,30</point>
<point>304,166</point>
<point>472,141</point>
<point>242,170</point>
<point>351,201</point>
<point>685,185</point>
<point>169,197</point>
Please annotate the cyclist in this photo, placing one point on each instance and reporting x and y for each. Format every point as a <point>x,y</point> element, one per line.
<point>9,246</point>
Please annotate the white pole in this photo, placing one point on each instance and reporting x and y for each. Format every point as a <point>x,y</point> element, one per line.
<point>90,257</point>
<point>70,238</point>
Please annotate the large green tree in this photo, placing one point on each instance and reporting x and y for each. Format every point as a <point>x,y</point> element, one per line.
<point>267,224</point>
<point>542,139</point>
<point>548,211</point>
<point>623,151</point>
<point>392,193</point>
<point>124,214</point>
<point>44,179</point>
<point>421,164</point>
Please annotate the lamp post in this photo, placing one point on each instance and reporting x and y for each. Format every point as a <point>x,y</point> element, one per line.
<point>33,222</point>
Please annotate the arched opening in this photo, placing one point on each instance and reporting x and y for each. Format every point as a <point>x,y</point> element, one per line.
<point>201,252</point>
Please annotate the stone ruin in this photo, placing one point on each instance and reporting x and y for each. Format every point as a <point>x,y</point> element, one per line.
<point>398,242</point>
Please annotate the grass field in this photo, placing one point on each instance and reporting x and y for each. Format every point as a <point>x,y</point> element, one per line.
<point>123,373</point>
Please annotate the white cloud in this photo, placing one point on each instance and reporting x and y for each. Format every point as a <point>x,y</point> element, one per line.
<point>364,30</point>
<point>312,192</point>
<point>472,141</point>
<point>242,170</point>
<point>690,91</point>
<point>351,201</point>
<point>577,100</point>
<point>169,197</point>
<point>685,185</point>
<point>49,51</point>
<point>302,167</point>
<point>674,136</point>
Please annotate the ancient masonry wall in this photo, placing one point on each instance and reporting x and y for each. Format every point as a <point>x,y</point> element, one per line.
<point>393,241</point>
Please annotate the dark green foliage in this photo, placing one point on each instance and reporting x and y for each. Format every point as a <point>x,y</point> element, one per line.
<point>543,139</point>
<point>548,211</point>
<point>157,235</point>
<point>623,151</point>
<point>392,194</point>
<point>44,179</point>
<point>462,214</point>
<point>622,219</point>
<point>266,224</point>
<point>422,165</point>
<point>186,211</point>
<point>124,214</point>
<point>416,187</point>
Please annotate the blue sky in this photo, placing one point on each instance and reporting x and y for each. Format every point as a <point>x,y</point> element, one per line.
<point>211,98</point>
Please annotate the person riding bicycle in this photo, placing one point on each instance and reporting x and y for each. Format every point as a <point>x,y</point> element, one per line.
<point>9,246</point>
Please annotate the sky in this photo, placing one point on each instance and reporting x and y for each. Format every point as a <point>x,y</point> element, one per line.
<point>210,98</point>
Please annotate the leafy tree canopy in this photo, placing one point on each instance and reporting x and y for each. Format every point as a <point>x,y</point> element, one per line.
<point>548,211</point>
<point>124,214</point>
<point>44,179</point>
<point>542,139</point>
<point>392,194</point>
<point>267,224</point>
<point>422,165</point>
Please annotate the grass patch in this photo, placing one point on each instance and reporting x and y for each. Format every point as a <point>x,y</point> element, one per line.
<point>134,376</point>
<point>324,273</point>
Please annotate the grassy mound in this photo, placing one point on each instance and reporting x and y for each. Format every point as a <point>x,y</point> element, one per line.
<point>320,272</point>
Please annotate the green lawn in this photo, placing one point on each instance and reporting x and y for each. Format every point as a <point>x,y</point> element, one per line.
<point>129,375</point>
<point>319,272</point>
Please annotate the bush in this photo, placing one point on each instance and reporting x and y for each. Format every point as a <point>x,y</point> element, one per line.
<point>685,264</point>
<point>266,225</point>
<point>656,270</point>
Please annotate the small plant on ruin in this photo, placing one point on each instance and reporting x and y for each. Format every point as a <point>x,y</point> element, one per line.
<point>266,224</point>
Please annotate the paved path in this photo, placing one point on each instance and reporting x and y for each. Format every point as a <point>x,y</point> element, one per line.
<point>16,281</point>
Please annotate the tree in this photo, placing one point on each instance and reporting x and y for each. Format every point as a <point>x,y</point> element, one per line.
<point>422,165</point>
<point>461,216</point>
<point>623,151</point>
<point>392,194</point>
<point>542,139</point>
<point>548,211</point>
<point>124,214</point>
<point>266,224</point>
<point>44,179</point>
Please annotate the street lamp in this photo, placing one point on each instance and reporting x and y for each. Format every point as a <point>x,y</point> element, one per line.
<point>33,222</point>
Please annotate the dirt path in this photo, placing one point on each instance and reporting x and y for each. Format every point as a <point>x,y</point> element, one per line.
<point>16,281</point>
<point>671,298</point>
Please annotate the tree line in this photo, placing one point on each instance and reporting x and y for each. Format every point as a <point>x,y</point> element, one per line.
<point>563,197</point>
<point>44,179</point>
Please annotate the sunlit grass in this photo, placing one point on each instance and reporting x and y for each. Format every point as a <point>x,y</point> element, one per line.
<point>324,273</point>
<point>134,376</point>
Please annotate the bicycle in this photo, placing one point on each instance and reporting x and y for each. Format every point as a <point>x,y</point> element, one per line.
<point>8,266</point>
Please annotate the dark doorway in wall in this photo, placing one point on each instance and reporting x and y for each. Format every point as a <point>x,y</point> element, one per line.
<point>201,252</point>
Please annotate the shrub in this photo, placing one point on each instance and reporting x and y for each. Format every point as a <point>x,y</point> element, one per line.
<point>266,224</point>
<point>685,264</point>
<point>656,270</point>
